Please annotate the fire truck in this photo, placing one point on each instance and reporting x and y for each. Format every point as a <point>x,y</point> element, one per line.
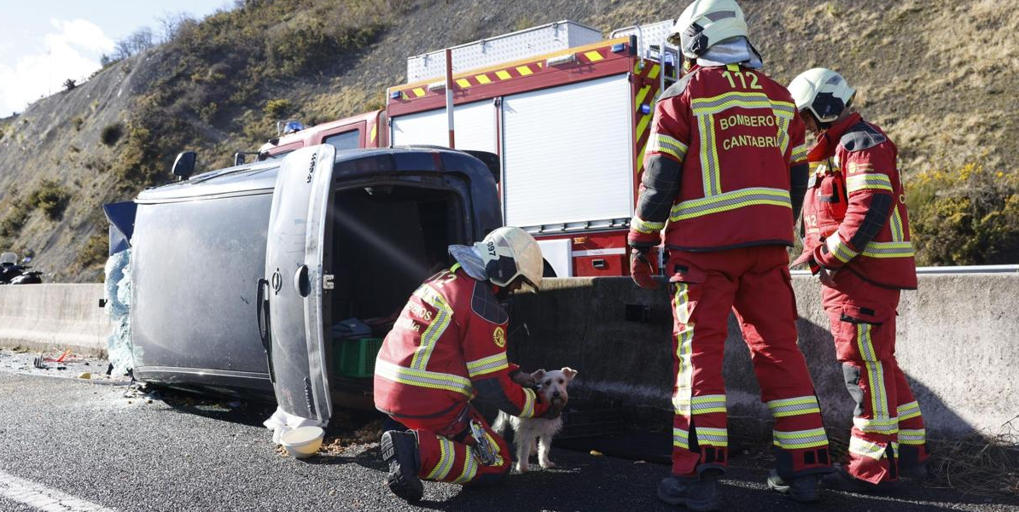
<point>566,110</point>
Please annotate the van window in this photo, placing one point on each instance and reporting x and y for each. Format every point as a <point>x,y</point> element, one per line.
<point>345,140</point>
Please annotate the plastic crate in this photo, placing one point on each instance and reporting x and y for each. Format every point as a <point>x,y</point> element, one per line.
<point>356,357</point>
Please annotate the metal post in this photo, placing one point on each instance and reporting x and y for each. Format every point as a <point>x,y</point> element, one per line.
<point>449,95</point>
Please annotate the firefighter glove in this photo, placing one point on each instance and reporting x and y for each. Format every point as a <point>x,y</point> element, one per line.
<point>643,268</point>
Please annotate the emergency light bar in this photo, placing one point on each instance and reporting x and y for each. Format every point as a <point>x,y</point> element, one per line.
<point>561,60</point>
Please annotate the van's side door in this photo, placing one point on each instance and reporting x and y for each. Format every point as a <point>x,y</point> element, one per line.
<point>294,261</point>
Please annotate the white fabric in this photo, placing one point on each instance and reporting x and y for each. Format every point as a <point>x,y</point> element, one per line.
<point>734,51</point>
<point>282,422</point>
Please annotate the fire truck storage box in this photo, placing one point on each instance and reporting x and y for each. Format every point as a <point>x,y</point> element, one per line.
<point>548,38</point>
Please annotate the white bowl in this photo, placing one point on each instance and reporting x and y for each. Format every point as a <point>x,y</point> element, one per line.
<point>302,442</point>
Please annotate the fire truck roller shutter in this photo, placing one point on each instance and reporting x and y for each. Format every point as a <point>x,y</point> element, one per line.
<point>568,153</point>
<point>474,124</point>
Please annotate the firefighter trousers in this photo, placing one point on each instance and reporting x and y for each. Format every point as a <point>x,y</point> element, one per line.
<point>754,282</point>
<point>447,449</point>
<point>888,431</point>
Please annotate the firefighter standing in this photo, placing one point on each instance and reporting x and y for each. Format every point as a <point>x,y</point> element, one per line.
<point>449,347</point>
<point>725,150</point>
<point>856,238</point>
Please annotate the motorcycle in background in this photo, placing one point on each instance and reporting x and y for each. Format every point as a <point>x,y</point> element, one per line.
<point>13,273</point>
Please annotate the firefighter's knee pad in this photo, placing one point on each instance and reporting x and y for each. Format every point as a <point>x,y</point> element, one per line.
<point>851,374</point>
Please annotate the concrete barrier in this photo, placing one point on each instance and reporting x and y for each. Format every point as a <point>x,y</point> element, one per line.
<point>49,316</point>
<point>957,345</point>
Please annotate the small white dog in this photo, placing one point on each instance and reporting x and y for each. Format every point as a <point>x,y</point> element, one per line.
<point>552,386</point>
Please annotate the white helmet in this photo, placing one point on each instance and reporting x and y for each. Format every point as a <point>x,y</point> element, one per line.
<point>823,92</point>
<point>510,252</point>
<point>705,23</point>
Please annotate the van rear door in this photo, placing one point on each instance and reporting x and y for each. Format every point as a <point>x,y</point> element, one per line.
<point>296,255</point>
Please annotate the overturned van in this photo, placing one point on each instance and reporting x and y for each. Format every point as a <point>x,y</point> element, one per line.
<point>243,278</point>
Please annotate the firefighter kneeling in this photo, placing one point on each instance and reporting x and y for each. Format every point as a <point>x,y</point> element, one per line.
<point>447,349</point>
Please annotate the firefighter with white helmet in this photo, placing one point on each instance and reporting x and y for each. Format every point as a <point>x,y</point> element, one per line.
<point>448,350</point>
<point>725,175</point>
<point>856,238</point>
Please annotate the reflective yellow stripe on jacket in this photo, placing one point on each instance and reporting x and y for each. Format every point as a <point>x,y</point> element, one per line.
<point>730,201</point>
<point>423,378</point>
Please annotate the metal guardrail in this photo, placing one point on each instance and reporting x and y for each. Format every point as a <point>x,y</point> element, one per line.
<point>964,269</point>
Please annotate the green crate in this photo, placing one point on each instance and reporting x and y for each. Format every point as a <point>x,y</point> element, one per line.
<point>356,358</point>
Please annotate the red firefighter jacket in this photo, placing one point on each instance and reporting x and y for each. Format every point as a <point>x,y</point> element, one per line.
<point>726,146</point>
<point>855,210</point>
<point>448,347</point>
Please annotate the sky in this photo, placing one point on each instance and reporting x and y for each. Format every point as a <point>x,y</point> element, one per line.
<point>45,42</point>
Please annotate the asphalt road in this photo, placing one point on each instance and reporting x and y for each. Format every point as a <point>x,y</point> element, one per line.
<point>70,444</point>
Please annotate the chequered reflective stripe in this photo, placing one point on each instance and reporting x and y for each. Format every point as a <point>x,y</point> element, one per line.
<point>680,438</point>
<point>710,436</point>
<point>422,378</point>
<point>866,448</point>
<point>742,99</point>
<point>800,439</point>
<point>913,437</point>
<point>662,143</point>
<point>783,135</point>
<point>529,399</point>
<point>470,468</point>
<point>909,410</point>
<point>730,201</point>
<point>707,404</point>
<point>898,231</point>
<point>486,365</point>
<point>785,407</point>
<point>641,226</point>
<point>495,446</point>
<point>709,156</point>
<point>447,453</point>
<point>684,351</point>
<point>887,426</point>
<point>443,315</point>
<point>840,249</point>
<point>868,182</point>
<point>799,153</point>
<point>889,250</point>
<point>875,372</point>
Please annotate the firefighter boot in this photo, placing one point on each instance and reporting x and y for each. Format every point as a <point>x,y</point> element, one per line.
<point>698,493</point>
<point>802,489</point>
<point>400,451</point>
<point>841,480</point>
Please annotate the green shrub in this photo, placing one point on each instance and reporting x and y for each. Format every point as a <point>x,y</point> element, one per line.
<point>13,220</point>
<point>93,254</point>
<point>966,217</point>
<point>278,108</point>
<point>111,134</point>
<point>51,198</point>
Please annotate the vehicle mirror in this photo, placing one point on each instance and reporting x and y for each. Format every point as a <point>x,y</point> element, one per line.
<point>491,160</point>
<point>184,165</point>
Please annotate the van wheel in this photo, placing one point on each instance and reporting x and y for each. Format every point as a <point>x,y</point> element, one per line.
<point>548,271</point>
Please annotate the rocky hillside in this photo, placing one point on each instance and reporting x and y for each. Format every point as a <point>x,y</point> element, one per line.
<point>936,74</point>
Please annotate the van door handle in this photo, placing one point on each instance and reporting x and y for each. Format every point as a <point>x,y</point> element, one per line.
<point>598,264</point>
